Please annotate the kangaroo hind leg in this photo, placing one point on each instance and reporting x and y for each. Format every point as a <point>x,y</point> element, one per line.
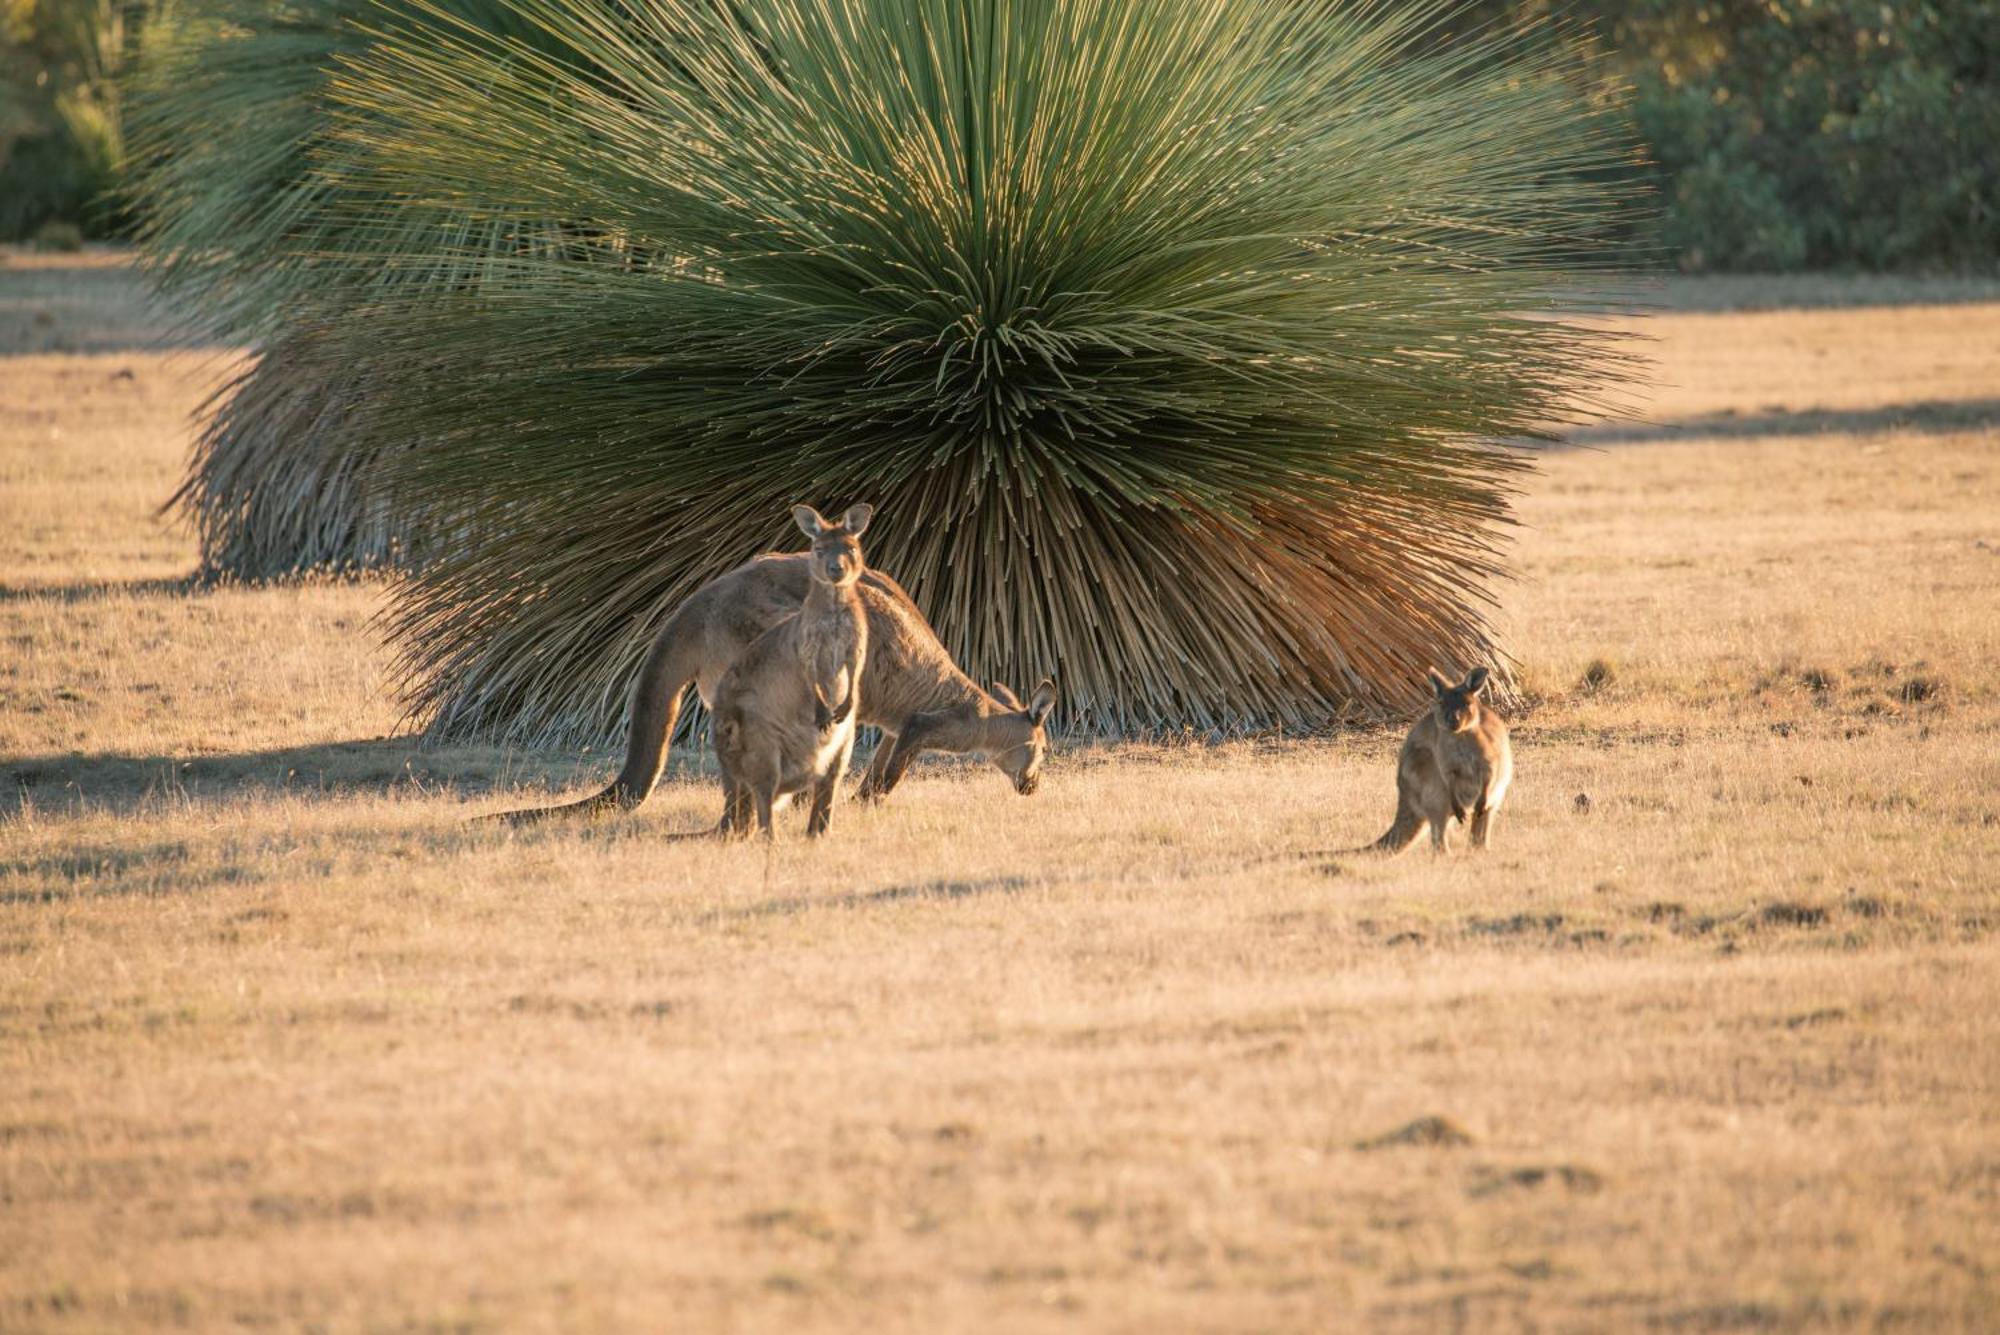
<point>873,782</point>
<point>822,804</point>
<point>826,787</point>
<point>738,810</point>
<point>1482,825</point>
<point>1441,817</point>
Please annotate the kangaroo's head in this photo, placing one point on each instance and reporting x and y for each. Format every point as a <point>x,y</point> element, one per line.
<point>1018,740</point>
<point>1458,706</point>
<point>836,548</point>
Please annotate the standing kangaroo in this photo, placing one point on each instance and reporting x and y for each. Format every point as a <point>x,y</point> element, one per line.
<point>1456,762</point>
<point>909,673</point>
<point>784,712</point>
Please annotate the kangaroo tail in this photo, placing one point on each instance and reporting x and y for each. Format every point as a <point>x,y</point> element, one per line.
<point>1400,835</point>
<point>670,665</point>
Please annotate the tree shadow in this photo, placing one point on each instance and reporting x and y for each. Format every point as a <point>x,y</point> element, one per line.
<point>92,302</point>
<point>113,871</point>
<point>121,783</point>
<point>87,591</point>
<point>178,586</point>
<point>1934,417</point>
<point>1733,294</point>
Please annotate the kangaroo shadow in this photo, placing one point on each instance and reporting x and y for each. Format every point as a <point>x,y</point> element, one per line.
<point>943,889</point>
<point>121,783</point>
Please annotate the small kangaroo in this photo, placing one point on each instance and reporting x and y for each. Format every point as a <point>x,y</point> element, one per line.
<point>1456,762</point>
<point>785,711</point>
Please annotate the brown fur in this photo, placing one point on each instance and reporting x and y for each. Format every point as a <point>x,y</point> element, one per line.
<point>1456,764</point>
<point>999,727</point>
<point>909,673</point>
<point>784,712</point>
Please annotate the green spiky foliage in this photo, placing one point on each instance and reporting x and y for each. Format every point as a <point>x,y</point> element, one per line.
<point>240,233</point>
<point>229,112</point>
<point>1172,342</point>
<point>225,104</point>
<point>270,491</point>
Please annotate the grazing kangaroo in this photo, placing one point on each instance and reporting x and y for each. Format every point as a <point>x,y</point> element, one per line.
<point>784,712</point>
<point>909,673</point>
<point>1000,727</point>
<point>1456,762</point>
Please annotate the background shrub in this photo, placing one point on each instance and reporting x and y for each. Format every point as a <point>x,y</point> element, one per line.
<point>62,147</point>
<point>1816,134</point>
<point>1785,134</point>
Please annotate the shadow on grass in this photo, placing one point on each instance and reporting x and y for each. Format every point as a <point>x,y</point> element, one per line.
<point>1732,294</point>
<point>88,303</point>
<point>87,591</point>
<point>180,586</point>
<point>941,889</point>
<point>1934,417</point>
<point>113,872</point>
<point>121,783</point>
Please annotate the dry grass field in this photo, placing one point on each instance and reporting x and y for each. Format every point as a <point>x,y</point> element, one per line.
<point>1709,1041</point>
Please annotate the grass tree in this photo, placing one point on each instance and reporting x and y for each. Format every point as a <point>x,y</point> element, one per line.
<point>277,484</point>
<point>1174,343</point>
<point>242,234</point>
<point>225,104</point>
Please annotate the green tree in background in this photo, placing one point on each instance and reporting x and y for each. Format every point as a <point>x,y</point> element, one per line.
<point>1814,134</point>
<point>1786,133</point>
<point>62,140</point>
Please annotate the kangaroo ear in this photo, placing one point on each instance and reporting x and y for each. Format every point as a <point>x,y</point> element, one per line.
<point>855,521</point>
<point>1438,684</point>
<point>1474,680</point>
<point>1043,702</point>
<point>1005,695</point>
<point>808,521</point>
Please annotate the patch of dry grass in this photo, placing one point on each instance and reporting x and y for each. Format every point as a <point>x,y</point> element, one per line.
<point>1707,1042</point>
